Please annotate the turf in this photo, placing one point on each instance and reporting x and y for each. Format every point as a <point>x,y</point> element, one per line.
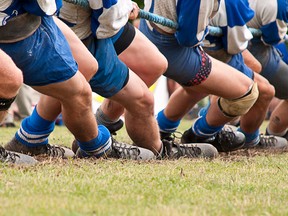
<point>240,183</point>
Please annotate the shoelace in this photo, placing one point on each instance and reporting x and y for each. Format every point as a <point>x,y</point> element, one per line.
<point>184,150</point>
<point>8,156</point>
<point>267,141</point>
<point>55,151</point>
<point>125,151</point>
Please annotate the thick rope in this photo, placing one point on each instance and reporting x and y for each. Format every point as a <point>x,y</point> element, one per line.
<point>214,31</point>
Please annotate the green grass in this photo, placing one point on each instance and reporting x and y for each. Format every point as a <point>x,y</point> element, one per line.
<point>246,183</point>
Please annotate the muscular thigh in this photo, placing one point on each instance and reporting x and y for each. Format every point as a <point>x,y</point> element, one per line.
<point>143,58</point>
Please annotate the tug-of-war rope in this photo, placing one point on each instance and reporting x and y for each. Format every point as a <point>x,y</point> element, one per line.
<point>214,31</point>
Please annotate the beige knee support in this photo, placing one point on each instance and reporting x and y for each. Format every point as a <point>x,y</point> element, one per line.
<point>239,106</point>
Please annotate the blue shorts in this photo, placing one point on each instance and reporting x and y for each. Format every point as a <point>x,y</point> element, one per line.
<point>186,65</point>
<point>112,74</point>
<point>274,69</point>
<point>44,57</point>
<point>237,62</point>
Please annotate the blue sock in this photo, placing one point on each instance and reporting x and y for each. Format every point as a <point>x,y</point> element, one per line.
<point>251,138</point>
<point>203,129</point>
<point>166,125</point>
<point>34,130</point>
<point>203,111</point>
<point>99,145</point>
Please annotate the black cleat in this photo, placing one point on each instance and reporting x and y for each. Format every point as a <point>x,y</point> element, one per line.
<point>225,140</point>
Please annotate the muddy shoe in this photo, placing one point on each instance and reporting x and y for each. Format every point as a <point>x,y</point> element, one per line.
<point>272,142</point>
<point>16,158</point>
<point>131,152</point>
<point>173,150</point>
<point>49,150</point>
<point>228,140</point>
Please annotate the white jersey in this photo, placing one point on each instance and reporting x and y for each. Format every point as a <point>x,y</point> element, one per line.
<point>12,8</point>
<point>271,18</point>
<point>192,17</point>
<point>232,18</point>
<point>77,18</point>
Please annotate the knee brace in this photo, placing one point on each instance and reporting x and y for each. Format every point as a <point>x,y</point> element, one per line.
<point>6,103</point>
<point>239,106</point>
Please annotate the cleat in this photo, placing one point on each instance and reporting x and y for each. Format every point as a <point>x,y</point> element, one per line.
<point>271,142</point>
<point>284,136</point>
<point>172,150</point>
<point>131,152</point>
<point>113,128</point>
<point>119,151</point>
<point>225,140</point>
<point>228,140</point>
<point>49,150</point>
<point>16,158</point>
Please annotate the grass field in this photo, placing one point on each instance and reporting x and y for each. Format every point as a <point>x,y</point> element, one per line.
<point>243,183</point>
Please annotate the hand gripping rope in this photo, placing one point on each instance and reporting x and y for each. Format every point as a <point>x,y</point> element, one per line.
<point>214,31</point>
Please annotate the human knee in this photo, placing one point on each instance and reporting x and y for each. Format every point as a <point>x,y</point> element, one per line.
<point>144,104</point>
<point>266,91</point>
<point>241,105</point>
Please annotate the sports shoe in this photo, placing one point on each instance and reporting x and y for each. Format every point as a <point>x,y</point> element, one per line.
<point>16,158</point>
<point>49,150</point>
<point>271,142</point>
<point>284,136</point>
<point>172,150</point>
<point>113,128</point>
<point>120,151</point>
<point>225,140</point>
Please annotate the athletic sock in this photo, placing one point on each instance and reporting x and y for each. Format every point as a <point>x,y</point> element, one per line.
<point>99,145</point>
<point>203,129</point>
<point>102,118</point>
<point>252,139</point>
<point>166,125</point>
<point>34,130</point>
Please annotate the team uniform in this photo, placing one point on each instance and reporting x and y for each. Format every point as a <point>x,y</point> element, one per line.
<point>188,64</point>
<point>59,65</point>
<point>271,18</point>
<point>231,19</point>
<point>97,28</point>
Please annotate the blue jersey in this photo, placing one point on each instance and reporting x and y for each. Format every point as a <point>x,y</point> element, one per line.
<point>192,17</point>
<point>109,16</point>
<point>10,9</point>
<point>232,18</point>
<point>271,18</point>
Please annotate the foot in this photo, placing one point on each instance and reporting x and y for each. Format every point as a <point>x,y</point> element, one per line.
<point>272,142</point>
<point>16,158</point>
<point>119,151</point>
<point>49,150</point>
<point>113,128</point>
<point>225,140</point>
<point>173,150</point>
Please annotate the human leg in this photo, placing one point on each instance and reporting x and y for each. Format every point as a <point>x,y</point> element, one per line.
<point>59,79</point>
<point>11,80</point>
<point>148,65</point>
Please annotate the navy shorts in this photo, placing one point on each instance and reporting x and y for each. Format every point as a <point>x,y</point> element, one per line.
<point>274,69</point>
<point>237,62</point>
<point>112,74</point>
<point>186,65</point>
<point>44,57</point>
